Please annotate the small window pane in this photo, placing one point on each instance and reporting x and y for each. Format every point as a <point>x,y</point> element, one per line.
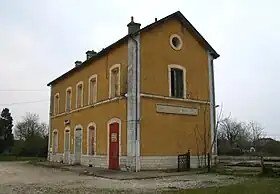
<point>172,83</point>
<point>177,83</point>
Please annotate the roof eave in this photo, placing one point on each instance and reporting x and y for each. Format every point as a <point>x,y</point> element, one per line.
<point>104,51</point>
<point>96,57</point>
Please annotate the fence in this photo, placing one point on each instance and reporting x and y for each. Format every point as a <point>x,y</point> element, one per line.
<point>184,162</point>
<point>254,163</point>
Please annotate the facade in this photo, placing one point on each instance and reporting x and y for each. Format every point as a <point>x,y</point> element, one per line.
<point>138,103</point>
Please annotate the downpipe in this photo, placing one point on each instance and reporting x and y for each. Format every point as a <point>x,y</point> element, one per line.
<point>136,104</point>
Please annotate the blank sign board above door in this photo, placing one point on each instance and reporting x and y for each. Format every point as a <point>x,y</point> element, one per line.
<point>173,109</point>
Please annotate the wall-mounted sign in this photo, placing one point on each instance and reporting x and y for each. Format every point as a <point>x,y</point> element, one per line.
<point>66,122</point>
<point>114,137</point>
<point>173,109</point>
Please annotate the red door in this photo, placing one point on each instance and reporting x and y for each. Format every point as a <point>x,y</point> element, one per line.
<point>114,146</point>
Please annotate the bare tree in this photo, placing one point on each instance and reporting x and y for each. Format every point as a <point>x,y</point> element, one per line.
<point>230,130</point>
<point>219,118</point>
<point>30,126</point>
<point>205,135</point>
<point>256,131</point>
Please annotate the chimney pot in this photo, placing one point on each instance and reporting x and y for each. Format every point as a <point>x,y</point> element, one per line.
<point>78,63</point>
<point>132,26</point>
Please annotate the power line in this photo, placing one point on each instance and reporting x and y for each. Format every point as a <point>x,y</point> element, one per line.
<point>23,90</point>
<point>29,102</point>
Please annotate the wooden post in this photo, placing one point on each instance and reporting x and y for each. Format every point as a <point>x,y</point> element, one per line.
<point>189,160</point>
<point>262,163</point>
<point>178,163</point>
<point>208,162</point>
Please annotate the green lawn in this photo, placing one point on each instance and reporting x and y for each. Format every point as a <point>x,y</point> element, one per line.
<point>252,186</point>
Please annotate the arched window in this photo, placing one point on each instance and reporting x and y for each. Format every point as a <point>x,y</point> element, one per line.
<point>79,94</point>
<point>177,81</point>
<point>92,89</point>
<point>56,104</point>
<point>91,139</point>
<point>68,99</point>
<point>114,81</point>
<point>55,141</point>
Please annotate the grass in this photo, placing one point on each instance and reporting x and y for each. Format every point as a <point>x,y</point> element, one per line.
<point>252,186</point>
<point>15,158</point>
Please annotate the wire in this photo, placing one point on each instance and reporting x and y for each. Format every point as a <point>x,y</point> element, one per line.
<point>18,103</point>
<point>23,90</point>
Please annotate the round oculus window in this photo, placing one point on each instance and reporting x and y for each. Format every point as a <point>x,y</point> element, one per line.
<point>176,42</point>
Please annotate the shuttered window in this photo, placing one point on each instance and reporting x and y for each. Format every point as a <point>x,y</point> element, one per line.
<point>56,104</point>
<point>68,100</point>
<point>93,90</point>
<point>79,96</point>
<point>115,88</point>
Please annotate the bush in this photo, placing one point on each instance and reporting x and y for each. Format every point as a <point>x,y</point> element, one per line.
<point>269,172</point>
<point>36,146</point>
<point>17,149</point>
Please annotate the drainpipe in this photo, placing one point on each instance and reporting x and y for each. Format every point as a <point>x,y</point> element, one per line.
<point>136,105</point>
<point>214,107</point>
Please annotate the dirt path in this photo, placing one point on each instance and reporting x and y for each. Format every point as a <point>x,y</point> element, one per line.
<point>20,177</point>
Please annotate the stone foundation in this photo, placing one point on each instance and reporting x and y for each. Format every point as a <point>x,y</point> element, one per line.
<point>146,162</point>
<point>165,162</point>
<point>57,157</point>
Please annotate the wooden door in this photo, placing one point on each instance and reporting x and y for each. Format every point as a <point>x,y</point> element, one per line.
<point>114,146</point>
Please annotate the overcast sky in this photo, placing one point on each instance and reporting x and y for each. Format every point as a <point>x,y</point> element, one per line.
<point>40,40</point>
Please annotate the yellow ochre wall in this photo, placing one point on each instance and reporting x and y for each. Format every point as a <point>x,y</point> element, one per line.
<point>166,134</point>
<point>99,114</point>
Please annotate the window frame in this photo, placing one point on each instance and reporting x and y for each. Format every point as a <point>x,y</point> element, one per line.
<point>171,42</point>
<point>110,79</point>
<point>80,83</point>
<point>92,124</point>
<point>175,66</point>
<point>79,126</point>
<point>89,88</point>
<point>70,99</point>
<point>56,105</point>
<point>55,148</point>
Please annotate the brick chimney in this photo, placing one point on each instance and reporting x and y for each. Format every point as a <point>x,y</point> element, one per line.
<point>132,26</point>
<point>90,54</point>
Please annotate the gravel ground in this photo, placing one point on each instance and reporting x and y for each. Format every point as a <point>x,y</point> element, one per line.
<point>20,177</point>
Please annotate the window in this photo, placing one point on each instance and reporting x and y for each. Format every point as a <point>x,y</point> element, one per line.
<point>177,81</point>
<point>55,141</point>
<point>79,95</point>
<point>92,89</point>
<point>56,104</point>
<point>176,42</point>
<point>68,99</point>
<point>114,82</point>
<point>91,147</point>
